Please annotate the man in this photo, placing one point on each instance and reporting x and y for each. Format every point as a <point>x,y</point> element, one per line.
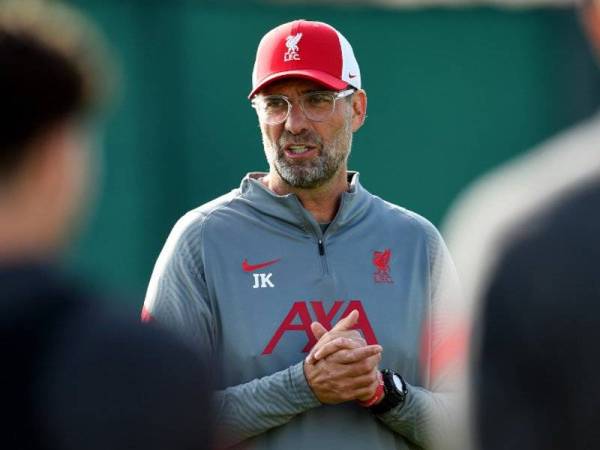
<point>74,376</point>
<point>303,259</point>
<point>503,228</point>
<point>479,224</point>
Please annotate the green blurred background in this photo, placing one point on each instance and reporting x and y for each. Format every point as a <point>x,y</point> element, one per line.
<point>452,93</point>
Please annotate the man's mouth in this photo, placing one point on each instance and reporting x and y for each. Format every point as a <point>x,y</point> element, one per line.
<point>300,150</point>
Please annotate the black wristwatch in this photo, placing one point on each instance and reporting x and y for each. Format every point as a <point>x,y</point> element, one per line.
<point>395,392</point>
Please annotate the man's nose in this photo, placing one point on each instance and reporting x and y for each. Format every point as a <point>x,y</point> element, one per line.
<point>296,121</point>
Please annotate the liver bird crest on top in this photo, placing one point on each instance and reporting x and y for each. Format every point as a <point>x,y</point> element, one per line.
<point>291,42</point>
<point>381,261</point>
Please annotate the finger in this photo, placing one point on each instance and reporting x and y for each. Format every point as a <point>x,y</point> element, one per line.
<point>342,351</point>
<point>364,381</point>
<point>366,393</point>
<point>318,330</point>
<point>336,345</point>
<point>350,356</point>
<point>347,322</point>
<point>351,336</point>
<point>330,336</point>
<point>363,366</point>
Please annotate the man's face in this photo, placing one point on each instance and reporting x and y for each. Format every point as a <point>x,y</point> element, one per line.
<point>307,154</point>
<point>70,145</point>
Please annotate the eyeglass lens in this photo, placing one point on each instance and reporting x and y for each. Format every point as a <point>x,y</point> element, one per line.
<point>317,106</point>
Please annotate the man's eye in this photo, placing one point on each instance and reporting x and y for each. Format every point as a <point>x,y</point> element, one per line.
<point>275,103</point>
<point>319,99</point>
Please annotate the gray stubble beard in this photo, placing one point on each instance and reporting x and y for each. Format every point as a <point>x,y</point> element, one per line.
<point>315,173</point>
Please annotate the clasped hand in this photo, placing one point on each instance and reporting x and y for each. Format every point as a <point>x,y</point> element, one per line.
<point>341,366</point>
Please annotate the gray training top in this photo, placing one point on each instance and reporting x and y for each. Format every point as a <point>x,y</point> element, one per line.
<point>243,276</point>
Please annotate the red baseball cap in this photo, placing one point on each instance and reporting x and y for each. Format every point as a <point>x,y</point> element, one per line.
<point>304,49</point>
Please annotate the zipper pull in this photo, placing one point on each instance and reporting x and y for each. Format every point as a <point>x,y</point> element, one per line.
<point>321,248</point>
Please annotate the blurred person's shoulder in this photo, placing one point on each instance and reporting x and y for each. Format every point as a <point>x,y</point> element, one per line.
<point>553,256</point>
<point>528,180</point>
<point>123,383</point>
<point>85,375</point>
<point>544,291</point>
<point>567,227</point>
<point>480,222</point>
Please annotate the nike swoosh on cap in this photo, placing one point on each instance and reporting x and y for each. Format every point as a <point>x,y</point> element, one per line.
<point>246,267</point>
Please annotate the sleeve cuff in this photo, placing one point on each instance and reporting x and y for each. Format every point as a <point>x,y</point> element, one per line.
<point>398,412</point>
<point>300,389</point>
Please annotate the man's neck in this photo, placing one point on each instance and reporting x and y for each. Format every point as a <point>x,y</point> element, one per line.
<point>322,202</point>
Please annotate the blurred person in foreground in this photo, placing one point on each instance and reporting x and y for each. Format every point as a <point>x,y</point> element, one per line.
<point>526,246</point>
<point>74,375</point>
<point>536,377</point>
<point>333,312</point>
<point>478,225</point>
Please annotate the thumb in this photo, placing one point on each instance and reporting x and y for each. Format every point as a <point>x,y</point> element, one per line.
<point>347,322</point>
<point>318,330</point>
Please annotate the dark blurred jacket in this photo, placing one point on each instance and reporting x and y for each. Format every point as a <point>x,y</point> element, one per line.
<point>76,376</point>
<point>536,384</point>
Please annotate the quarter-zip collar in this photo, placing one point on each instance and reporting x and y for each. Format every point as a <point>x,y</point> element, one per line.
<point>353,204</point>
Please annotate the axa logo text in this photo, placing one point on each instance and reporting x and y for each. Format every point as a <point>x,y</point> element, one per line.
<point>300,313</point>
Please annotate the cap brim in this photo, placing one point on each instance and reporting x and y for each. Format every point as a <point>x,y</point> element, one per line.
<point>323,78</point>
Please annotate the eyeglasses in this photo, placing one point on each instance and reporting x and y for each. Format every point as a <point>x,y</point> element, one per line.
<point>317,106</point>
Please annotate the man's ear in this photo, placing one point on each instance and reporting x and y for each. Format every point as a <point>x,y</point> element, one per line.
<point>359,109</point>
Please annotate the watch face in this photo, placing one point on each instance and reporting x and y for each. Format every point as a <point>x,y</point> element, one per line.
<point>398,383</point>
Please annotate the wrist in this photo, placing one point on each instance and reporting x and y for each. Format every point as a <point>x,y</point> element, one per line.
<point>302,387</point>
<point>380,399</point>
<point>377,396</point>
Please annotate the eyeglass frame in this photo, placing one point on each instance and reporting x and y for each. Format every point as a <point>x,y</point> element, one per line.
<point>336,96</point>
